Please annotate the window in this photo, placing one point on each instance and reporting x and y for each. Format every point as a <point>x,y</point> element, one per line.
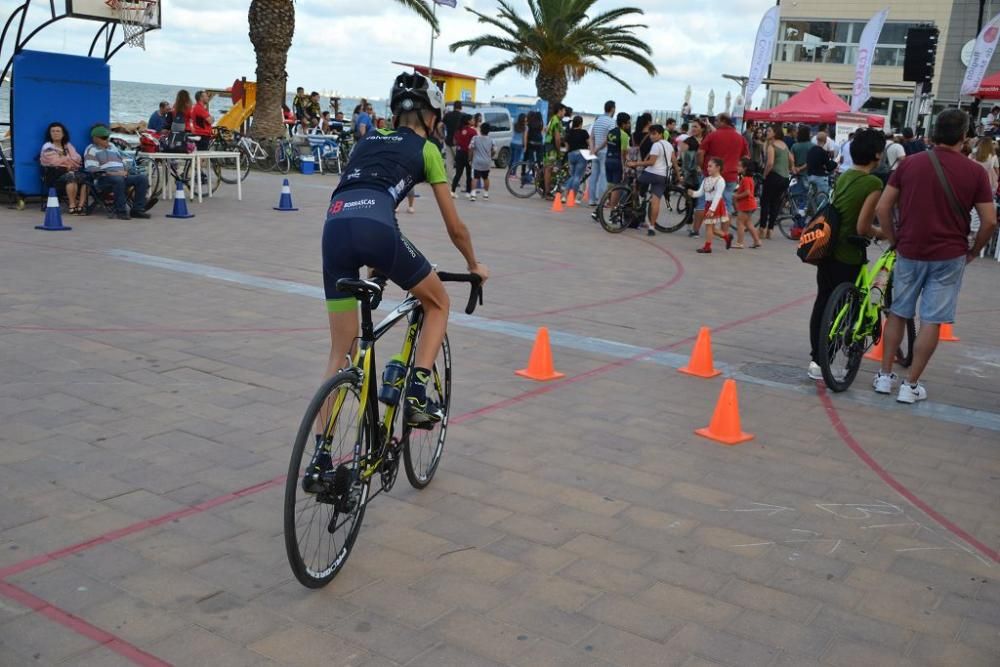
<point>498,122</point>
<point>836,42</point>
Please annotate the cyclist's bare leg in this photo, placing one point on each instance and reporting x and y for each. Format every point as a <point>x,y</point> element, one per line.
<point>654,210</point>
<point>343,333</point>
<point>548,178</point>
<point>434,300</point>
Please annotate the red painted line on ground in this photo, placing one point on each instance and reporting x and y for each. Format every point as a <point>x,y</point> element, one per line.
<point>678,274</point>
<point>895,484</point>
<point>80,626</point>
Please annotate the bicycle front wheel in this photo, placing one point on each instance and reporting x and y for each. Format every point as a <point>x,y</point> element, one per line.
<point>677,211</point>
<point>620,215</point>
<point>325,495</point>
<point>786,224</point>
<point>838,351</point>
<point>522,178</point>
<point>422,448</point>
<point>227,168</point>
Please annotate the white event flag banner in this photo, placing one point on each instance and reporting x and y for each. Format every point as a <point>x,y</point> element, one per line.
<point>866,53</point>
<point>986,44</point>
<point>763,49</point>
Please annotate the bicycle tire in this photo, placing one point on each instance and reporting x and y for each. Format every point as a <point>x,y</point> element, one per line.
<point>319,572</point>
<point>616,219</point>
<point>265,162</point>
<point>421,464</point>
<point>151,171</point>
<point>227,167</point>
<point>680,206</point>
<point>522,178</point>
<point>842,311</point>
<point>282,158</point>
<point>785,224</point>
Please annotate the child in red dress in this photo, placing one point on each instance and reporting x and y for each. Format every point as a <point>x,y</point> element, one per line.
<point>746,204</point>
<point>713,188</point>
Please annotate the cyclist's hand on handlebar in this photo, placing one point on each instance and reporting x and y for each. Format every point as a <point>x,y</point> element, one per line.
<point>480,270</point>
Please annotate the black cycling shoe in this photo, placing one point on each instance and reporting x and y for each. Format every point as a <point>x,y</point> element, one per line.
<point>422,414</point>
<point>312,480</point>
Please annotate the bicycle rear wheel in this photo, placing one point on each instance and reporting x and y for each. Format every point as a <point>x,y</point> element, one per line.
<point>838,351</point>
<point>677,211</point>
<point>151,171</point>
<point>325,502</point>
<point>422,448</point>
<point>521,179</point>
<point>263,159</point>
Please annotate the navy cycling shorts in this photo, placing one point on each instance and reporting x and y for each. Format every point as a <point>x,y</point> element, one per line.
<point>350,243</point>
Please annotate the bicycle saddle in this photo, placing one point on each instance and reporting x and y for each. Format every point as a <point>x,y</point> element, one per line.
<point>360,287</point>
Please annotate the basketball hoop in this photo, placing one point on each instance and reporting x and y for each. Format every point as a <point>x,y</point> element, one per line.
<point>135,16</point>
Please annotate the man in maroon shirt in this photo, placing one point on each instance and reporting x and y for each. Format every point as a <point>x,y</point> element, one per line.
<point>728,145</point>
<point>932,244</point>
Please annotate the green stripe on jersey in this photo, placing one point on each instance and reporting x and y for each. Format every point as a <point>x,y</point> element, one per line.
<point>434,164</point>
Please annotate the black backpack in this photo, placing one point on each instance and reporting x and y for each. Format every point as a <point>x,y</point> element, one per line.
<point>820,235</point>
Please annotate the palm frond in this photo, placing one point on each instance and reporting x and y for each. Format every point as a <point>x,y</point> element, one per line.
<point>423,10</point>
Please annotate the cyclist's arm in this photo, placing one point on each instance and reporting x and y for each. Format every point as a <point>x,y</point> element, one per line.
<point>457,231</point>
<point>866,218</point>
<point>884,213</point>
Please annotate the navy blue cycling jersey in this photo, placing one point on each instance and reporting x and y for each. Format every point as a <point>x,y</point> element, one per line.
<point>383,168</point>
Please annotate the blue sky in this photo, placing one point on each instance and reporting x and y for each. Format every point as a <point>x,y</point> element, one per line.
<point>340,45</point>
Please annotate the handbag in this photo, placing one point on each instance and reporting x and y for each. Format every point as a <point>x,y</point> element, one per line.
<point>955,206</point>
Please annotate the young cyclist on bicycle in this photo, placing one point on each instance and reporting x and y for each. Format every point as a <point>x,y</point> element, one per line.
<point>361,230</point>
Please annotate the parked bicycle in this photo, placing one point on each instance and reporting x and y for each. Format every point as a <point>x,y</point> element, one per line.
<point>527,177</point>
<point>852,322</point>
<point>626,206</point>
<point>330,476</point>
<point>252,154</point>
<point>800,203</point>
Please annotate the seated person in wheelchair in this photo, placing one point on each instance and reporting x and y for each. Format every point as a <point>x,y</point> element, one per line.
<point>106,164</point>
<point>61,167</point>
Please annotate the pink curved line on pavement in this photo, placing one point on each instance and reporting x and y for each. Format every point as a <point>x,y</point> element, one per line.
<point>895,484</point>
<point>678,274</point>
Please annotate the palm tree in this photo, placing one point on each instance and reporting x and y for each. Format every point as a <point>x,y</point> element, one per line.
<point>561,43</point>
<point>272,24</point>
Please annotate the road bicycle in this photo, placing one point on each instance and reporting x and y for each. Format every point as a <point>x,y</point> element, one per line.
<point>852,321</point>
<point>799,205</point>
<point>626,206</point>
<point>527,177</point>
<point>252,154</point>
<point>342,444</point>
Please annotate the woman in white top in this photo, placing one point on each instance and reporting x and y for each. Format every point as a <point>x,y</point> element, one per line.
<point>986,155</point>
<point>657,165</point>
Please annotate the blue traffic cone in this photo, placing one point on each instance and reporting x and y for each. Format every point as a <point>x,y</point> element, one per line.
<point>53,216</point>
<point>285,203</point>
<point>180,204</point>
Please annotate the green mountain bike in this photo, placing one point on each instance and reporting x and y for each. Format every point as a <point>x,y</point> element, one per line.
<point>853,318</point>
<point>343,446</point>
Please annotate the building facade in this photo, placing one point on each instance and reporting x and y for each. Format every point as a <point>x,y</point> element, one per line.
<point>819,39</point>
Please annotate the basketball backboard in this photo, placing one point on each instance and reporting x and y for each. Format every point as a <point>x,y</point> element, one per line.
<point>100,10</point>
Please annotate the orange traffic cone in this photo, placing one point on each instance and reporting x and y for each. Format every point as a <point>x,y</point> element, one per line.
<point>948,334</point>
<point>875,354</point>
<point>540,365</point>
<point>700,364</point>
<point>571,199</point>
<point>725,424</point>
<point>557,206</point>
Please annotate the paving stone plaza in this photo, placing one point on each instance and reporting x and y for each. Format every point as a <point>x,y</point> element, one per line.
<point>154,374</point>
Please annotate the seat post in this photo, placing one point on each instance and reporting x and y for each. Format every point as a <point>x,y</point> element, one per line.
<point>367,326</point>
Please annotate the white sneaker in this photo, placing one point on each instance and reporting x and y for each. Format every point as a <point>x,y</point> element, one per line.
<point>410,209</point>
<point>883,383</point>
<point>470,196</point>
<point>453,195</point>
<point>911,393</point>
<point>815,372</point>
<point>486,195</point>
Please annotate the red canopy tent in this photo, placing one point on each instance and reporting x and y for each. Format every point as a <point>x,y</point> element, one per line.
<point>815,104</point>
<point>989,88</point>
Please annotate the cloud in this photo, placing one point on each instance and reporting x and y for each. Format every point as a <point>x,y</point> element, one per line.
<point>349,47</point>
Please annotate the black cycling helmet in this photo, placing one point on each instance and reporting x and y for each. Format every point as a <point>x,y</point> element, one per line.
<point>412,91</point>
